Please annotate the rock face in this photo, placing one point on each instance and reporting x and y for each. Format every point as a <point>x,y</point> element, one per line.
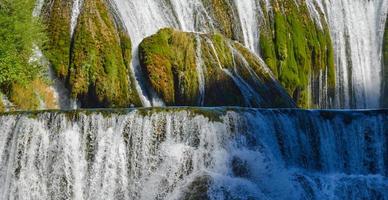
<point>207,70</point>
<point>57,16</point>
<point>100,60</point>
<point>94,60</point>
<point>299,51</point>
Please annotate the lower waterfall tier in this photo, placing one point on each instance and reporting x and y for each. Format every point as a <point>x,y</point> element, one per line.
<point>187,153</point>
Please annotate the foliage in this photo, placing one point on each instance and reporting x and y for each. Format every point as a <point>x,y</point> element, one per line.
<point>19,32</point>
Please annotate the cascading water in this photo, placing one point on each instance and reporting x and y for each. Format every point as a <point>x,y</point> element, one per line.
<point>200,72</point>
<point>75,12</point>
<point>357,29</point>
<point>38,8</point>
<point>248,14</point>
<point>144,18</point>
<point>61,94</point>
<point>214,153</point>
<point>199,154</point>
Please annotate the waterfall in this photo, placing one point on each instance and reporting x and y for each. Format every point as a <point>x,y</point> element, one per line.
<point>357,29</point>
<point>144,18</point>
<point>175,153</point>
<point>247,11</point>
<point>75,12</point>
<point>38,8</point>
<point>200,72</point>
<point>57,87</point>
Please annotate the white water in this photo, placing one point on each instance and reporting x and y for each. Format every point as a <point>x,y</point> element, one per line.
<point>7,104</point>
<point>75,12</point>
<point>200,70</point>
<point>250,96</point>
<point>248,14</point>
<point>357,29</point>
<point>169,154</point>
<point>256,91</point>
<point>144,18</point>
<point>57,87</point>
<point>38,8</point>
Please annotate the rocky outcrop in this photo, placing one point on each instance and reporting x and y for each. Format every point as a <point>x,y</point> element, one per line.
<point>94,61</point>
<point>192,69</point>
<point>100,60</point>
<point>57,17</point>
<point>298,51</point>
<point>225,17</point>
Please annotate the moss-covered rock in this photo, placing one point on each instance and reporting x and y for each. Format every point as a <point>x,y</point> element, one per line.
<point>95,62</point>
<point>33,96</point>
<point>220,89</point>
<point>57,17</point>
<point>100,60</point>
<point>174,63</point>
<point>168,58</point>
<point>2,106</point>
<point>296,48</point>
<point>224,14</point>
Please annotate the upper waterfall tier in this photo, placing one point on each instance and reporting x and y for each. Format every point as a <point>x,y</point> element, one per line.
<point>184,153</point>
<point>298,51</point>
<point>325,54</point>
<point>356,28</point>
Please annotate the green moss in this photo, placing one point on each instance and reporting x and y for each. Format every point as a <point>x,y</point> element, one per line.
<point>57,17</point>
<point>223,12</point>
<point>2,106</point>
<point>220,89</point>
<point>32,96</point>
<point>223,50</point>
<point>44,93</point>
<point>267,47</point>
<point>23,97</point>
<point>267,88</point>
<point>296,48</point>
<point>212,114</point>
<point>100,60</point>
<point>168,59</point>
